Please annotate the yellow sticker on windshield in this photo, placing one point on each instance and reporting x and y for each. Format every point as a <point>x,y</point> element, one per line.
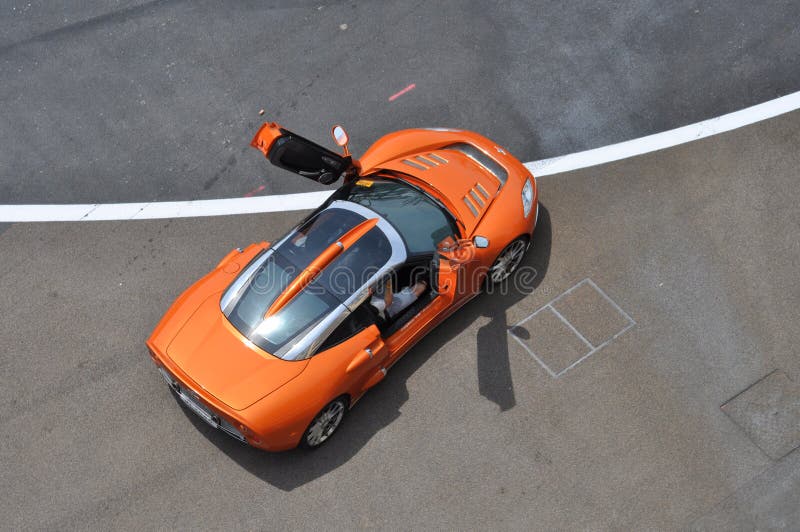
<point>364,183</point>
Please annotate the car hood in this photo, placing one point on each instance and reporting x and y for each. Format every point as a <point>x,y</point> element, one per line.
<point>468,188</point>
<point>224,363</point>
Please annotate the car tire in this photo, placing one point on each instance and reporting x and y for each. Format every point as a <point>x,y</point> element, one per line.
<point>507,261</point>
<point>325,424</point>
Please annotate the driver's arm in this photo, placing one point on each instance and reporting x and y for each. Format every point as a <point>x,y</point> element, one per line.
<point>419,287</point>
<point>387,293</point>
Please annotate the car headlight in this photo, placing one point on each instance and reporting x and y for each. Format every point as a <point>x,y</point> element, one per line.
<point>527,198</point>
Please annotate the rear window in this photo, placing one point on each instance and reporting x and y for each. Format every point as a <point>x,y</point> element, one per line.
<point>249,298</point>
<point>312,238</point>
<point>259,292</point>
<point>246,312</point>
<point>303,312</point>
<point>356,265</point>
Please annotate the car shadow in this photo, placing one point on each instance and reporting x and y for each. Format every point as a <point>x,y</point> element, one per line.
<point>381,405</point>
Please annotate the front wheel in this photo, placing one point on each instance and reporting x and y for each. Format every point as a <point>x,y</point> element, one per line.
<point>508,261</point>
<point>324,424</point>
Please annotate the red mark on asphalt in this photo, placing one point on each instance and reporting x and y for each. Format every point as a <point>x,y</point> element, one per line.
<point>255,191</point>
<point>396,95</point>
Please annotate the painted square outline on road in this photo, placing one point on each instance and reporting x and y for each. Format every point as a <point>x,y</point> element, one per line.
<point>592,349</point>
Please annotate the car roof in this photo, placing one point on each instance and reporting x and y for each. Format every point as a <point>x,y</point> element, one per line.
<point>339,217</point>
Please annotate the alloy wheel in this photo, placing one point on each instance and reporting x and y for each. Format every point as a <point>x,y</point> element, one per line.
<point>325,424</point>
<point>508,261</point>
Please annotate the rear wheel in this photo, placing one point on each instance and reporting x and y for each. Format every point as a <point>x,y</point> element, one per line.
<point>508,261</point>
<point>325,423</point>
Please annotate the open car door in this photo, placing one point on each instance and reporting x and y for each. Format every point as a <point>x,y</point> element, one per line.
<point>445,291</point>
<point>292,152</point>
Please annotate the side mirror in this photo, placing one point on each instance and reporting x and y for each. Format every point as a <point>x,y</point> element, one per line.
<point>481,242</point>
<point>341,138</point>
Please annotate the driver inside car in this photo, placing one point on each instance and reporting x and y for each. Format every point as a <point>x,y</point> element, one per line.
<point>390,304</point>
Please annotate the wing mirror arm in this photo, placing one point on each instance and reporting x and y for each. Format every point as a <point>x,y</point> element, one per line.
<point>342,139</point>
<point>353,169</point>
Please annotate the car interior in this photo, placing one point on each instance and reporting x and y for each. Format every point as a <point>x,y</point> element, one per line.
<point>413,271</point>
<point>421,268</point>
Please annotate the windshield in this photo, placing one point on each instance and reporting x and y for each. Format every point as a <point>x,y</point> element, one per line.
<point>420,221</point>
<point>250,296</point>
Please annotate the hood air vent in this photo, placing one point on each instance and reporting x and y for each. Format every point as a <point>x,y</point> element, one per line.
<point>476,198</point>
<point>492,166</point>
<point>412,164</point>
<point>423,162</point>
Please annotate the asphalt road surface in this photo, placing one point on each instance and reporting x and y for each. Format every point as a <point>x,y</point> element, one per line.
<point>142,101</point>
<point>679,268</point>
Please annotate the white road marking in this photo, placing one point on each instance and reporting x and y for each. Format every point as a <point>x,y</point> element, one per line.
<point>310,200</point>
<point>161,209</point>
<point>592,349</point>
<point>666,139</point>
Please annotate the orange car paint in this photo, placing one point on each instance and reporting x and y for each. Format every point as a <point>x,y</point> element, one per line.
<point>273,400</point>
<point>265,136</point>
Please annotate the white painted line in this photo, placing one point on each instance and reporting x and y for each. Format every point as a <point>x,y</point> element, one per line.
<point>592,349</point>
<point>611,301</point>
<point>161,209</point>
<point>595,350</point>
<point>531,353</point>
<point>310,200</point>
<point>571,327</point>
<point>551,302</point>
<point>667,139</point>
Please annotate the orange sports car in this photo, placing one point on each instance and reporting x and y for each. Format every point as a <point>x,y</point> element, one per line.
<point>280,340</point>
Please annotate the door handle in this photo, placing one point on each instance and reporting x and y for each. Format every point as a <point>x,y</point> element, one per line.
<point>376,346</point>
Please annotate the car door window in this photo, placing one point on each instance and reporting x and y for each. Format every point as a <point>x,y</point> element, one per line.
<point>357,321</point>
<point>301,156</point>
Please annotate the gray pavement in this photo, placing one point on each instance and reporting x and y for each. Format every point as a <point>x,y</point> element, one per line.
<point>109,101</point>
<point>696,244</point>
